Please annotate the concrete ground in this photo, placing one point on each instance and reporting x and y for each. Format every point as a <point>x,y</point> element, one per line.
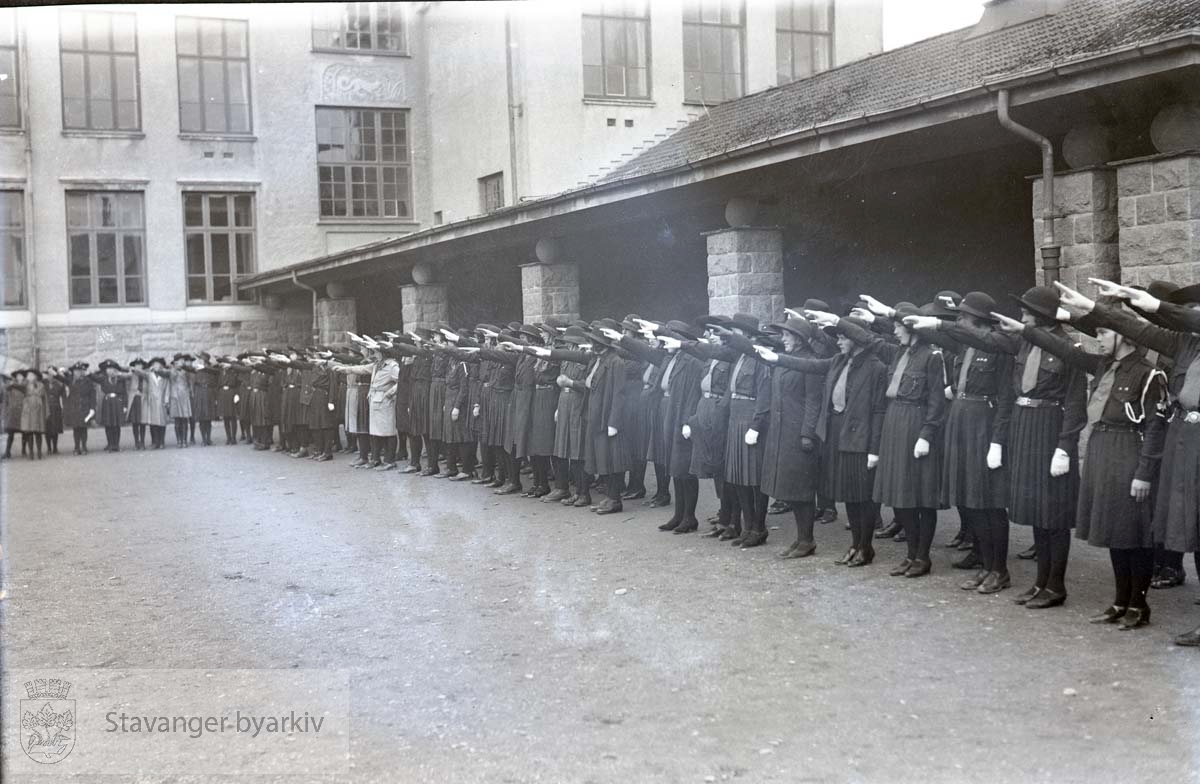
<point>495,639</point>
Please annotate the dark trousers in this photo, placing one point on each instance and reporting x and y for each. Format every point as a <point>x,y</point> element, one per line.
<point>920,524</point>
<point>1053,548</point>
<point>1132,572</point>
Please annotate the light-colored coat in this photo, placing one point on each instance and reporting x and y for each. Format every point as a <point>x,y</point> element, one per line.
<point>384,376</point>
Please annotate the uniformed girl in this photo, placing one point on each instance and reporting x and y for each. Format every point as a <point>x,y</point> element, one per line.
<point>80,407</point>
<point>155,386</point>
<point>112,380</point>
<point>33,413</point>
<point>56,392</point>
<point>708,427</point>
<point>606,451</point>
<point>14,401</point>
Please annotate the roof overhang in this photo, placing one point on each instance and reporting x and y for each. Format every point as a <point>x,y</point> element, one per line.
<point>1043,83</point>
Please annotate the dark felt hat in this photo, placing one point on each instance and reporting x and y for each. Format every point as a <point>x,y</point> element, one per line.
<point>576,338</point>
<point>945,304</point>
<point>979,305</point>
<point>679,329</point>
<point>1185,295</point>
<point>711,319</point>
<point>801,328</point>
<point>487,327</point>
<point>530,331</point>
<point>813,303</point>
<point>576,332</point>
<point>556,323</point>
<point>161,360</point>
<point>745,322</point>
<point>905,309</point>
<point>581,324</point>
<point>1161,289</point>
<point>104,365</point>
<point>834,330</point>
<point>514,326</point>
<point>81,365</point>
<point>1042,300</point>
<point>137,362</point>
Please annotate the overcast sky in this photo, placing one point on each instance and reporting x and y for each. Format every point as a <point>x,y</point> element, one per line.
<point>905,21</point>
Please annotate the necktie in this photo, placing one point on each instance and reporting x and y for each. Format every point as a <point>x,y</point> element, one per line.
<point>839,390</point>
<point>967,359</point>
<point>666,376</point>
<point>1033,363</point>
<point>737,371</point>
<point>1095,407</point>
<point>1189,396</point>
<point>706,382</point>
<point>894,385</point>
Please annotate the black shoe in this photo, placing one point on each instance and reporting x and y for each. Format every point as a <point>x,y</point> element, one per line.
<point>730,534</point>
<point>918,568</point>
<point>778,507</point>
<point>1168,577</point>
<point>864,558</point>
<point>995,583</point>
<point>1190,639</point>
<point>1046,599</point>
<point>755,539</point>
<point>1025,596</point>
<point>969,561</point>
<point>972,583</point>
<point>1111,614</point>
<point>658,500</point>
<point>850,555</point>
<point>688,526</point>
<point>955,542</point>
<point>712,533</point>
<point>889,531</point>
<point>1028,555</point>
<point>670,525</point>
<point>583,502</point>
<point>569,500</point>
<point>483,480</point>
<point>609,507</point>
<point>827,516</point>
<point>900,536</point>
<point>899,569</point>
<point>557,495</point>
<point>633,495</point>
<point>800,550</point>
<point>1135,618</point>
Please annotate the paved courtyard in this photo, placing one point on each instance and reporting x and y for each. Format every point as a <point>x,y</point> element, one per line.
<point>498,639</point>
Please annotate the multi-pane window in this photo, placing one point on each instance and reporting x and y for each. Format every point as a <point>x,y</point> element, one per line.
<point>106,240</point>
<point>214,75</point>
<point>616,49</point>
<point>712,50</point>
<point>803,38</point>
<point>219,237</point>
<point>491,192</point>
<point>12,249</point>
<point>99,71</point>
<point>10,105</point>
<point>372,27</point>
<point>363,168</point>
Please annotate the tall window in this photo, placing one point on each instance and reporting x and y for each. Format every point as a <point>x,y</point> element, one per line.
<point>712,50</point>
<point>219,235</point>
<point>803,38</point>
<point>10,105</point>
<point>12,249</point>
<point>374,27</point>
<point>363,168</point>
<point>106,236</point>
<point>616,49</point>
<point>214,75</point>
<point>491,192</point>
<point>99,71</point>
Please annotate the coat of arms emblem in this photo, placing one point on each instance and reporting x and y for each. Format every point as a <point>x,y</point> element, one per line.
<point>47,720</point>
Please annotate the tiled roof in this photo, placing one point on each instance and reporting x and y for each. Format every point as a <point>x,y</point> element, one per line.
<point>936,67</point>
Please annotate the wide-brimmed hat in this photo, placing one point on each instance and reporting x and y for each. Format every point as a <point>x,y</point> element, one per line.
<point>137,362</point>
<point>576,339</point>
<point>836,330</point>
<point>945,304</point>
<point>979,305</point>
<point>81,365</point>
<point>711,320</point>
<point>1185,295</point>
<point>599,337</point>
<point>812,303</point>
<point>189,357</point>
<point>630,323</point>
<point>161,360</point>
<point>530,331</point>
<point>1042,300</point>
<point>906,309</point>
<point>801,328</point>
<point>745,322</point>
<point>679,330</point>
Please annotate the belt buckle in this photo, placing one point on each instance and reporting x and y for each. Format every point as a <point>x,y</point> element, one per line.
<point>1024,401</point>
<point>1192,417</point>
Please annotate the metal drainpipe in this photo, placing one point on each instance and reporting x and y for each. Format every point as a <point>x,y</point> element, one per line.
<point>30,247</point>
<point>315,332</point>
<point>512,107</point>
<point>1051,252</point>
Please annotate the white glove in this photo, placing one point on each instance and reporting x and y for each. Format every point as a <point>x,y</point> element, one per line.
<point>611,334</point>
<point>872,461</point>
<point>1061,463</point>
<point>612,431</point>
<point>995,456</point>
<point>751,437</point>
<point>875,306</point>
<point>475,411</point>
<point>555,414</point>
<point>1140,490</point>
<point>91,413</point>
<point>921,449</point>
<point>541,351</point>
<point>949,392</point>
<point>331,406</point>
<point>687,432</point>
<point>237,399</point>
<point>669,343</point>
<point>454,415</point>
<point>922,322</point>
<point>863,315</point>
<point>766,354</point>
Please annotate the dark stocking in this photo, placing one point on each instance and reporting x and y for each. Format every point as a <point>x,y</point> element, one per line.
<point>662,481</point>
<point>927,527</point>
<point>637,477</point>
<point>804,513</point>
<point>1060,549</point>
<point>689,486</point>
<point>562,473</point>
<point>909,521</point>
<point>1141,563</point>
<point>1122,566</point>
<point>8,450</point>
<point>37,439</point>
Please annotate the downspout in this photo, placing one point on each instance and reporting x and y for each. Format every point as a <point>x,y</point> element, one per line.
<point>296,281</point>
<point>30,248</point>
<point>1051,252</point>
<point>512,107</point>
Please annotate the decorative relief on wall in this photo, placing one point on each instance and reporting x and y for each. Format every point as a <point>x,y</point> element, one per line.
<point>363,83</point>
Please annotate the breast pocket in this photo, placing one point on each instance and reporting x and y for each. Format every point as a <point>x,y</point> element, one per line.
<point>912,386</point>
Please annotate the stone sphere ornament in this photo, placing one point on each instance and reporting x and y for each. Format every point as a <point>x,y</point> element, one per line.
<point>548,250</point>
<point>272,302</point>
<point>1177,128</point>
<point>1087,145</point>
<point>741,211</point>
<point>337,290</point>
<point>423,274</point>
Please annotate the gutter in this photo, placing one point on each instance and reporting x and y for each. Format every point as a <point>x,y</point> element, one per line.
<point>30,246</point>
<point>306,287</point>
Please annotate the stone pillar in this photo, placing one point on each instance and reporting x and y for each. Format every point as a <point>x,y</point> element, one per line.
<point>1160,218</point>
<point>336,317</point>
<point>423,306</point>
<point>549,290</point>
<point>745,272</point>
<point>1085,225</point>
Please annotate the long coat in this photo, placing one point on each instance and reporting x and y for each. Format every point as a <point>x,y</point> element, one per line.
<point>154,397</point>
<point>789,471</point>
<point>606,407</point>
<point>33,412</point>
<point>382,392</point>
<point>111,411</point>
<point>56,391</point>
<point>570,428</point>
<point>678,383</point>
<point>179,393</point>
<point>81,398</point>
<point>13,402</point>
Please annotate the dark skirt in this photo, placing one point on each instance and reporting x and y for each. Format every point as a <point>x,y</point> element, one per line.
<point>901,480</point>
<point>788,472</point>
<point>1108,515</point>
<point>1034,497</point>
<point>226,408</point>
<point>437,405</point>
<point>202,403</point>
<point>519,411</point>
<point>966,479</point>
<point>258,407</point>
<point>364,409</point>
<point>54,420</point>
<point>403,404</point>
<point>643,413</point>
<point>454,432</point>
<point>845,476</point>
<point>541,434</point>
<point>743,463</point>
<point>660,438</point>
<point>134,414</point>
<point>1177,511</point>
<point>289,408</point>
<point>568,430</point>
<point>318,416</point>
<point>494,413</point>
<point>111,414</point>
<point>709,427</point>
<point>418,409</point>
<point>243,405</point>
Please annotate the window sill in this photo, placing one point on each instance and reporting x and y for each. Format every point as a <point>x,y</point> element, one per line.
<point>12,131</point>
<point>217,137</point>
<point>706,104</point>
<point>81,134</point>
<point>367,222</point>
<point>361,52</point>
<point>598,101</point>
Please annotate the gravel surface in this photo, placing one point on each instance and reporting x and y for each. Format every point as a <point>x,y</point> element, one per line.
<point>494,639</point>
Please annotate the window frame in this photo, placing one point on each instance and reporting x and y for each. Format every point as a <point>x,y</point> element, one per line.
<point>200,59</point>
<point>379,165</point>
<point>401,8</point>
<point>604,17</point>
<point>698,23</point>
<point>232,232</point>
<point>793,33</point>
<point>120,233</point>
<point>15,48</point>
<point>112,54</point>
<point>15,232</point>
<point>485,183</point>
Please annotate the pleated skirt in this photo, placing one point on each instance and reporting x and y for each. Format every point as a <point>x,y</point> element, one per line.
<point>258,408</point>
<point>1108,515</point>
<point>966,479</point>
<point>1177,511</point>
<point>111,414</point>
<point>1034,497</point>
<point>641,415</point>
<point>519,412</point>
<point>498,403</point>
<point>844,475</point>
<point>661,441</point>
<point>901,480</point>
<point>743,463</point>
<point>318,416</point>
<point>202,403</point>
<point>226,408</point>
<point>454,432</point>
<point>568,430</point>
<point>437,405</point>
<point>418,409</point>
<point>542,430</point>
<point>134,414</point>
<point>708,438</point>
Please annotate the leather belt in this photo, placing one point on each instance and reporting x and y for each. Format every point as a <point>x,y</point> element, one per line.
<point>647,387</point>
<point>1114,428</point>
<point>292,386</point>
<point>544,386</point>
<point>737,396</point>
<point>711,395</point>
<point>226,386</point>
<point>111,394</point>
<point>975,398</point>
<point>1032,402</point>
